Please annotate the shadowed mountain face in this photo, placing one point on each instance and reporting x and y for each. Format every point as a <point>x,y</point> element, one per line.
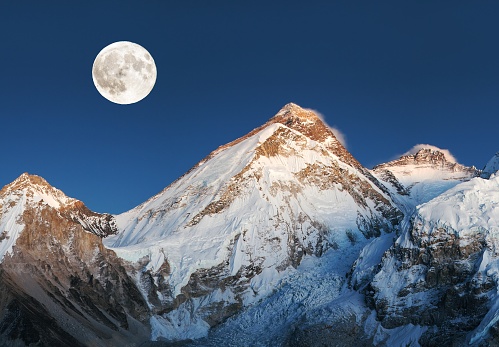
<point>280,237</point>
<point>224,235</point>
<point>60,286</point>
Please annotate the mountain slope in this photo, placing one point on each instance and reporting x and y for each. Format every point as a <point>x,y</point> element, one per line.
<point>280,238</point>
<point>59,285</point>
<point>442,271</point>
<point>417,178</point>
<point>246,217</point>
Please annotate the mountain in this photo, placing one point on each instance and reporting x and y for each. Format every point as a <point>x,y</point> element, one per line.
<point>356,316</point>
<point>440,277</point>
<point>278,238</point>
<point>59,285</point>
<point>224,235</point>
<point>419,177</point>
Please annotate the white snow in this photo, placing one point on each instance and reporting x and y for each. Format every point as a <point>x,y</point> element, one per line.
<point>23,193</point>
<point>257,226</point>
<point>423,181</point>
<point>448,156</point>
<point>467,210</point>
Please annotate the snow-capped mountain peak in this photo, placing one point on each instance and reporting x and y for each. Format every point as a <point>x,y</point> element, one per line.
<point>291,110</point>
<point>303,121</point>
<point>306,122</point>
<point>54,270</point>
<point>249,214</point>
<point>30,193</point>
<point>25,193</point>
<point>37,189</point>
<point>428,156</point>
<point>420,176</point>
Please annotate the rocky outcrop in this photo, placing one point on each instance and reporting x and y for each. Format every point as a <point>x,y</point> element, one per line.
<point>260,205</point>
<point>440,273</point>
<point>426,156</point>
<point>416,178</point>
<point>60,285</point>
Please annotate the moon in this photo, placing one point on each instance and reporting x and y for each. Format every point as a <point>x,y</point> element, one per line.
<point>124,72</point>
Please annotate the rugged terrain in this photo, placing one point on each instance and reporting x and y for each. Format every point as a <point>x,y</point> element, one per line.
<point>280,237</point>
<point>59,285</point>
<point>224,235</point>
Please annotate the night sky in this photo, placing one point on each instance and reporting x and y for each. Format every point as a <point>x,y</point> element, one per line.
<point>387,74</point>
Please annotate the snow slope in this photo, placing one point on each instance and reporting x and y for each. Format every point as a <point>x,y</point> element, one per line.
<point>25,192</point>
<point>417,178</point>
<point>31,192</point>
<point>444,265</point>
<point>252,211</point>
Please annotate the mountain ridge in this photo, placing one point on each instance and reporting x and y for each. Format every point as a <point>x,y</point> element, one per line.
<point>262,229</point>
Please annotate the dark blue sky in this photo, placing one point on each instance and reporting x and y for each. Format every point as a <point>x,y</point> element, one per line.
<point>388,74</point>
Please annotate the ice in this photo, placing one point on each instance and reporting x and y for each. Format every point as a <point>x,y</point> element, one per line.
<point>241,208</point>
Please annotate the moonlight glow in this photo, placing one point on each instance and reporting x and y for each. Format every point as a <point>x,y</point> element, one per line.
<point>124,72</point>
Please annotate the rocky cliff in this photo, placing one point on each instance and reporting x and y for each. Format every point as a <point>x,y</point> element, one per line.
<point>59,285</point>
<point>226,234</point>
<point>279,238</point>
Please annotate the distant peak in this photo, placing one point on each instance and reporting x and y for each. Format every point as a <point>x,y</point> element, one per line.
<point>425,151</point>
<point>291,113</point>
<point>428,156</point>
<point>27,180</point>
<point>39,187</point>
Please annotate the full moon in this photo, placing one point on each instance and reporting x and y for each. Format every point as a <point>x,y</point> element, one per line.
<point>124,72</point>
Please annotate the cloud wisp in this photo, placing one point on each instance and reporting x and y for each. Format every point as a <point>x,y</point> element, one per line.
<point>337,132</point>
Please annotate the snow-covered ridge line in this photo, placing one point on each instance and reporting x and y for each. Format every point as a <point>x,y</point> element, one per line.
<point>29,192</point>
<point>39,190</point>
<point>249,215</point>
<point>445,259</point>
<point>26,192</point>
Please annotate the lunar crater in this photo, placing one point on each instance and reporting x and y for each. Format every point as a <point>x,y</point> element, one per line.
<point>121,74</point>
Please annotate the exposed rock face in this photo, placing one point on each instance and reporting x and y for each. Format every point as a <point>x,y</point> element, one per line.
<point>417,178</point>
<point>60,286</point>
<point>258,237</point>
<point>306,122</point>
<point>441,272</point>
<point>246,216</point>
<point>423,156</point>
<point>99,224</point>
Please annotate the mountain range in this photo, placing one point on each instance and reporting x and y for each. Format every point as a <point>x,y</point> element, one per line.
<point>279,238</point>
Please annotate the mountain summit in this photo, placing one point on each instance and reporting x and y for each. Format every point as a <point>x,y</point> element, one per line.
<point>56,277</point>
<point>39,190</point>
<point>278,238</point>
<point>419,177</point>
<point>306,122</point>
<point>248,215</point>
<point>430,156</point>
